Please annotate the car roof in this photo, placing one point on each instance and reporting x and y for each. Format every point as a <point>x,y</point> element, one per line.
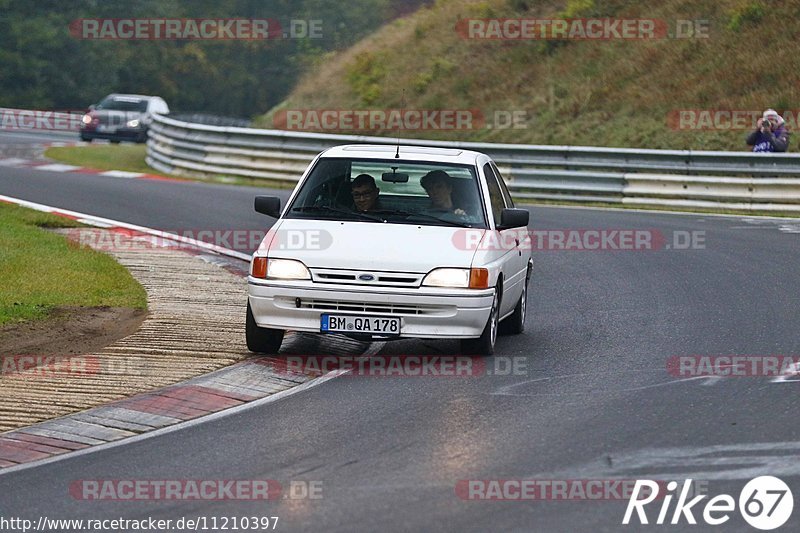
<point>118,96</point>
<point>414,153</point>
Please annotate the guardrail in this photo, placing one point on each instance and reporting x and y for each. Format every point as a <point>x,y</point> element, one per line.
<point>666,178</point>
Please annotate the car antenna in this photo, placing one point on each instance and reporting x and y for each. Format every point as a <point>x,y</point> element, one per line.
<point>402,106</point>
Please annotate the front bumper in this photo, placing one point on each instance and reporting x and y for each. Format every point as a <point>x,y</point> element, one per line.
<point>120,134</point>
<point>425,312</point>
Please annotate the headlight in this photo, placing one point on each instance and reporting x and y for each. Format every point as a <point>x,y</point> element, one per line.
<point>133,123</point>
<point>267,268</point>
<point>86,119</point>
<point>464,278</point>
<point>447,277</point>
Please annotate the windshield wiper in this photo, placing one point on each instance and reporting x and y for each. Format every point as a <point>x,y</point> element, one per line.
<point>409,214</point>
<point>328,209</point>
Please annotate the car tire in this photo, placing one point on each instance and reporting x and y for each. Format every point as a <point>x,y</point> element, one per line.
<point>484,345</point>
<point>261,340</point>
<point>114,141</point>
<point>515,324</point>
<point>86,139</point>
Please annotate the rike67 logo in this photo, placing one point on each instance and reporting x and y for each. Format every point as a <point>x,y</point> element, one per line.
<point>765,503</point>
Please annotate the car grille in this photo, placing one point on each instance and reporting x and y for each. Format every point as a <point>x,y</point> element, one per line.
<point>353,277</point>
<point>386,308</point>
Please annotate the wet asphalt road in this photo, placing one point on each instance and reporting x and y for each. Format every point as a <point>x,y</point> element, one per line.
<point>591,398</point>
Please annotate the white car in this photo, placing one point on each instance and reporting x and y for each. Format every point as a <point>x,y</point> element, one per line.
<point>390,242</point>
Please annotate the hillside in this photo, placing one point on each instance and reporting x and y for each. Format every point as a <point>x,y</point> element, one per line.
<point>612,92</point>
<point>53,56</point>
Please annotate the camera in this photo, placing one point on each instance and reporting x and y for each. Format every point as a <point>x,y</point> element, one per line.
<point>766,123</point>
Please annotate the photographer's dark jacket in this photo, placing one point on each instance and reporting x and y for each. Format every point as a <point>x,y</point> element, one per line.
<point>776,141</point>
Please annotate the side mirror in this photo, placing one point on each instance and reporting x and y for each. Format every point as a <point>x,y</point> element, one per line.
<point>92,107</point>
<point>268,205</point>
<point>514,218</point>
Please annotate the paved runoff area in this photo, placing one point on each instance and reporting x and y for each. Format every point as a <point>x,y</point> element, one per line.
<point>194,331</point>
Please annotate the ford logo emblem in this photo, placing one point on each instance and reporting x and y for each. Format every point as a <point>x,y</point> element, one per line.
<point>366,277</point>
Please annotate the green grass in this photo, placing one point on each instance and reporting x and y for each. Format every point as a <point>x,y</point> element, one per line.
<point>41,270</point>
<point>129,157</point>
<point>618,93</point>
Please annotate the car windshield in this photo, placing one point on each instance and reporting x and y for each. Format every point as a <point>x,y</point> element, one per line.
<point>394,191</point>
<point>123,104</point>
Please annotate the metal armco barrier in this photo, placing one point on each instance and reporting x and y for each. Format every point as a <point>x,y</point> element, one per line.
<point>664,178</point>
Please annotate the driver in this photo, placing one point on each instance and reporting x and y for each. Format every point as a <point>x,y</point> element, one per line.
<point>365,193</point>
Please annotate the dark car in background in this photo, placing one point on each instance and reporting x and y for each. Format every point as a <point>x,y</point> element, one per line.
<point>121,117</point>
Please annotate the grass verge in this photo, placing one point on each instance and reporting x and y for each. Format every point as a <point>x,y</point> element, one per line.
<point>130,158</point>
<point>42,270</point>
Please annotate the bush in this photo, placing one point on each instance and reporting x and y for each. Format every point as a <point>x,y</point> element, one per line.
<point>748,13</point>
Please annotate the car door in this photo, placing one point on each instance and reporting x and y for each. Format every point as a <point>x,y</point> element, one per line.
<point>514,261</point>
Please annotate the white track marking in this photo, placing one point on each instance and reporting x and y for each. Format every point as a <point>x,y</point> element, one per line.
<point>107,222</point>
<point>56,167</point>
<point>121,174</point>
<point>12,162</point>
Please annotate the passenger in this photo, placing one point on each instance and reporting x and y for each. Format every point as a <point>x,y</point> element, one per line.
<point>771,134</point>
<point>439,186</point>
<point>365,193</point>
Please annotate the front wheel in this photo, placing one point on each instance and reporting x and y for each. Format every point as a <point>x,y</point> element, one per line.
<point>261,340</point>
<point>484,345</point>
<point>516,322</point>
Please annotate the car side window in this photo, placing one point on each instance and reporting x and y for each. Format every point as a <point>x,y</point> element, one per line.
<point>503,188</point>
<point>495,193</point>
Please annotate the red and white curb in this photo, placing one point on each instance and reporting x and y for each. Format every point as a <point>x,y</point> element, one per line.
<point>244,384</point>
<point>107,223</point>
<point>49,166</point>
<point>241,386</point>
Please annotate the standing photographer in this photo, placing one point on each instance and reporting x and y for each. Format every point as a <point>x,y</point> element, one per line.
<point>770,135</point>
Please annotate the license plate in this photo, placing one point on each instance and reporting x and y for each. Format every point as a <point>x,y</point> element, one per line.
<point>106,129</point>
<point>376,325</point>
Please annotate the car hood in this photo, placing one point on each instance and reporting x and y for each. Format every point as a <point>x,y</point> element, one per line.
<point>371,246</point>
